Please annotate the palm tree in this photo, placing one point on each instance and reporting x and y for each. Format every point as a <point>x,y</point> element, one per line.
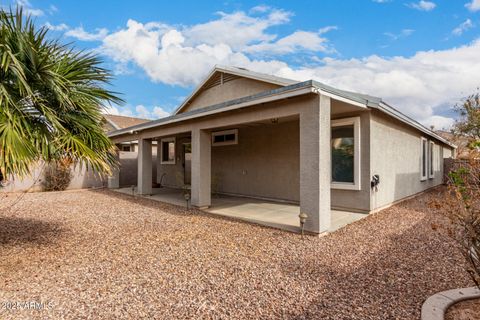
<point>51,99</point>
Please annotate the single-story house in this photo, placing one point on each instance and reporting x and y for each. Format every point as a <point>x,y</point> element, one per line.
<point>255,135</point>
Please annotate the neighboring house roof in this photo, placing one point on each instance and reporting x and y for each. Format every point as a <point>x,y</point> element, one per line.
<point>121,122</point>
<point>461,142</point>
<point>289,88</point>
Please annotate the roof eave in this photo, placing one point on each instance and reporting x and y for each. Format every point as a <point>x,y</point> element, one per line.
<point>386,108</point>
<point>263,97</point>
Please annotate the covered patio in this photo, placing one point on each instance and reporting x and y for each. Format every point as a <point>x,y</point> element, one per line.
<point>276,214</point>
<point>273,144</point>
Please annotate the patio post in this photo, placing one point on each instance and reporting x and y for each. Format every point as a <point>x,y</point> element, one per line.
<point>201,168</point>
<point>144,184</point>
<point>315,164</point>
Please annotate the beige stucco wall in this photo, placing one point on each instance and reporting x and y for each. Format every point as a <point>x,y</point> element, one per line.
<point>81,179</point>
<point>173,173</point>
<point>238,88</point>
<point>396,156</point>
<point>264,163</point>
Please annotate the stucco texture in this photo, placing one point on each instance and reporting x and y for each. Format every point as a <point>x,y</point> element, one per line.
<point>396,158</point>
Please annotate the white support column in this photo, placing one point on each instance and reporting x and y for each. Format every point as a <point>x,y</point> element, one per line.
<point>113,181</point>
<point>144,184</point>
<point>201,168</point>
<point>315,164</point>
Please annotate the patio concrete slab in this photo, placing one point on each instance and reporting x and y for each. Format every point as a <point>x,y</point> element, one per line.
<point>277,214</point>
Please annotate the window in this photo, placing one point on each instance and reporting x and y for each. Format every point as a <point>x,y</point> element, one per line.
<point>127,148</point>
<point>423,159</point>
<point>345,144</point>
<point>167,151</point>
<point>226,137</point>
<point>431,159</point>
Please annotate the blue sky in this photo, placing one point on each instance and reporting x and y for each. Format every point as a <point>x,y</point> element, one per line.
<point>421,56</point>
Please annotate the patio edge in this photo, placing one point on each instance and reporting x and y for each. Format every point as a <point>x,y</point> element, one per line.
<point>435,307</point>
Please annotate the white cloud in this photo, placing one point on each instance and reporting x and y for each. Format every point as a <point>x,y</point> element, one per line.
<point>139,111</point>
<point>29,9</point>
<point>58,27</point>
<point>381,1</point>
<point>439,122</point>
<point>182,55</point>
<point>236,30</point>
<point>295,42</point>
<point>159,112</point>
<point>403,34</point>
<point>421,85</point>
<point>473,6</point>
<point>80,34</point>
<point>260,9</point>
<point>464,26</point>
<point>423,5</point>
<point>52,9</point>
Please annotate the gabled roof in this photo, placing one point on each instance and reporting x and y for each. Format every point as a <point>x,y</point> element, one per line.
<point>240,72</point>
<point>121,122</point>
<point>298,88</point>
<point>289,88</point>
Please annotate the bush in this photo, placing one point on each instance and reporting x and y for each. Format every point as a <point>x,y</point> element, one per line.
<point>57,176</point>
<point>462,206</point>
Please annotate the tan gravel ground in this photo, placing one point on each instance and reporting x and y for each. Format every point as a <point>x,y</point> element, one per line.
<point>465,310</point>
<point>102,255</point>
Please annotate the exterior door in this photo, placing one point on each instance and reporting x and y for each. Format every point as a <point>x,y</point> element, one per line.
<point>187,163</point>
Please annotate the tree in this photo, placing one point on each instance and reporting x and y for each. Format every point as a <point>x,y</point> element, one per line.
<point>461,204</point>
<point>468,125</point>
<point>51,99</point>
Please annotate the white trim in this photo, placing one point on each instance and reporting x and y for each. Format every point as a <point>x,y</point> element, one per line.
<point>339,98</point>
<point>222,133</point>
<point>168,140</point>
<point>356,185</point>
<point>431,159</point>
<point>423,159</point>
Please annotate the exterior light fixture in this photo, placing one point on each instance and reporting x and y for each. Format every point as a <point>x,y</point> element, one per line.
<point>303,218</point>
<point>186,195</point>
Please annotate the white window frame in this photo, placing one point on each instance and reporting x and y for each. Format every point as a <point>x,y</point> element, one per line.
<point>222,133</point>
<point>423,159</point>
<point>168,140</point>
<point>431,159</point>
<point>356,185</point>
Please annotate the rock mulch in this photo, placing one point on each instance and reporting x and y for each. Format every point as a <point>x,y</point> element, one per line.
<point>102,255</point>
<point>465,310</point>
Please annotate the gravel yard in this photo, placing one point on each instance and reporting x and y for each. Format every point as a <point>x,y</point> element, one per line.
<point>103,255</point>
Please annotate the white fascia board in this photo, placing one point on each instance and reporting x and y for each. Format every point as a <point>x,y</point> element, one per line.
<point>340,98</point>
